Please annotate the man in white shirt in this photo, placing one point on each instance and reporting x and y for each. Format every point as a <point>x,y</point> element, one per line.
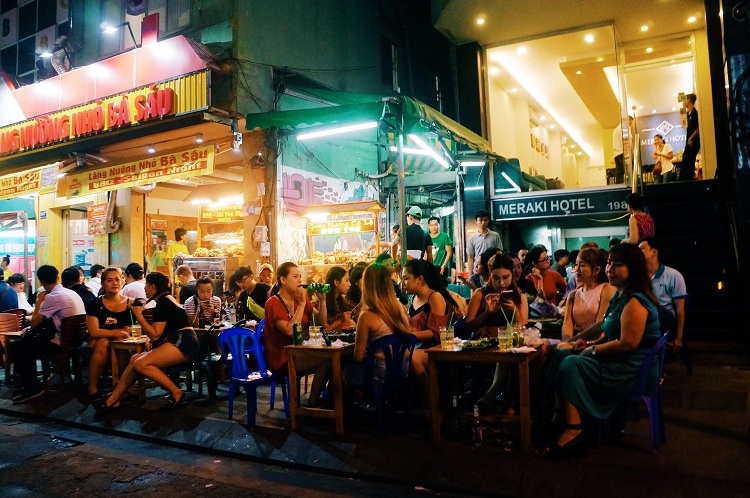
<point>95,282</point>
<point>135,282</point>
<point>55,303</point>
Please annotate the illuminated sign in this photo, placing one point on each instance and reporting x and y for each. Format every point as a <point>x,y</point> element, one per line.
<point>194,162</point>
<point>343,226</point>
<point>209,214</point>
<point>119,111</point>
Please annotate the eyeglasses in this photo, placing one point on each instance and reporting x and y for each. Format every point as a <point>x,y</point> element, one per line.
<point>544,260</point>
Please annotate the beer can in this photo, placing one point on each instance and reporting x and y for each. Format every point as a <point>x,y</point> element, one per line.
<point>297,333</point>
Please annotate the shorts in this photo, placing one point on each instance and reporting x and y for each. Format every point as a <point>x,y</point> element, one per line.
<point>186,341</point>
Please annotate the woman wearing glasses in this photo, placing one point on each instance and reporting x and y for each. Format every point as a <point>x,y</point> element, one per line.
<point>603,375</point>
<point>549,282</point>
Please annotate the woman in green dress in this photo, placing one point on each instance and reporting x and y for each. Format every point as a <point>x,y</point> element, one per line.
<point>604,374</point>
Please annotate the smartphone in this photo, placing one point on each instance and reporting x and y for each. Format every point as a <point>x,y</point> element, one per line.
<point>506,293</point>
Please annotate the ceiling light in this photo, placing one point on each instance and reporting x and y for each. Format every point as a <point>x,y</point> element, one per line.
<point>644,28</point>
<point>674,94</point>
<point>543,118</point>
<point>514,90</point>
<point>653,111</point>
<point>640,107</point>
<point>572,146</point>
<point>201,201</point>
<point>472,163</point>
<point>150,149</point>
<point>480,20</point>
<point>336,131</point>
<point>521,50</point>
<point>691,19</point>
<point>199,138</point>
<point>578,72</point>
<point>600,59</point>
<point>589,38</point>
<point>649,50</point>
<point>580,153</point>
<point>674,108</point>
<point>494,71</point>
<point>551,127</point>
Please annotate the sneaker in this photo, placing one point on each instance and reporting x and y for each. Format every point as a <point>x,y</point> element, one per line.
<point>27,395</point>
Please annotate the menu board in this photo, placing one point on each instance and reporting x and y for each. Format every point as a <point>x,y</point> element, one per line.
<point>97,218</point>
<point>223,214</point>
<point>341,226</point>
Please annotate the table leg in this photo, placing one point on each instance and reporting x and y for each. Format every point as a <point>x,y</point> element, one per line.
<point>115,366</point>
<point>338,398</point>
<point>436,418</point>
<point>293,390</point>
<point>523,387</point>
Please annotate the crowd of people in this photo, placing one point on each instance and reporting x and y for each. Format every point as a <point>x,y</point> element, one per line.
<point>614,304</point>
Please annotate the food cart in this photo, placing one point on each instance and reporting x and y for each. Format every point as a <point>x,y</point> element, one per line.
<point>340,235</point>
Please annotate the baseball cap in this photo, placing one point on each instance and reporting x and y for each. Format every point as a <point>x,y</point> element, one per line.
<point>415,211</point>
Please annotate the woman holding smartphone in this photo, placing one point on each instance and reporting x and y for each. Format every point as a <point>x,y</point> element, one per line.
<point>495,304</point>
<point>173,342</point>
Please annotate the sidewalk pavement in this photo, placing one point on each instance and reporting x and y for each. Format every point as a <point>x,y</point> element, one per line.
<point>706,453</point>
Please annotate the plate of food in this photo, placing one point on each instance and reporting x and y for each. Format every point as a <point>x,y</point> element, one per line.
<point>476,344</point>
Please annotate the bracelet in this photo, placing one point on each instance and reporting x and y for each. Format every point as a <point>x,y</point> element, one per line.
<point>591,343</point>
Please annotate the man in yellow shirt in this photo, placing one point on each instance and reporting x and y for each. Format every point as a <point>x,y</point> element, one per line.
<point>178,246</point>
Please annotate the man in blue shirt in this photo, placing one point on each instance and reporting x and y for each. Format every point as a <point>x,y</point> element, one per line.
<point>8,296</point>
<point>669,287</point>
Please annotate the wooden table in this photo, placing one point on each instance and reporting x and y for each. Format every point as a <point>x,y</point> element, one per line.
<point>489,355</point>
<point>321,352</point>
<point>5,339</point>
<point>132,346</point>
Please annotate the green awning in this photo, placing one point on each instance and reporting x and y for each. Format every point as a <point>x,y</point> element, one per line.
<point>349,108</point>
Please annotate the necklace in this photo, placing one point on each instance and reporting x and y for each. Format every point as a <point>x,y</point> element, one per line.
<point>289,309</point>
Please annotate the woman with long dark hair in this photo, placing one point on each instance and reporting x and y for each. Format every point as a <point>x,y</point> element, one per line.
<point>544,280</point>
<point>173,342</point>
<point>338,308</point>
<point>288,305</point>
<point>598,379</point>
<point>431,307</point>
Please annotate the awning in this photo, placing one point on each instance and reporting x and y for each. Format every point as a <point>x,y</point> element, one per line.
<point>346,107</point>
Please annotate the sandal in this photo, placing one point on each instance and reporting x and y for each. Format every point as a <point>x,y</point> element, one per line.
<point>576,447</point>
<point>102,412</point>
<point>172,403</point>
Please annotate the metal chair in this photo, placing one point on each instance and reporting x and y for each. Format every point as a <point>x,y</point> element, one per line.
<point>244,345</point>
<point>396,381</point>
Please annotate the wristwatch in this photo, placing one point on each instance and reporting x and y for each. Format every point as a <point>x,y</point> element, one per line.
<point>593,351</point>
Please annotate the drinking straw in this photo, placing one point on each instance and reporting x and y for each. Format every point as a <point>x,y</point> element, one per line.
<point>132,318</point>
<point>450,320</point>
<point>313,319</point>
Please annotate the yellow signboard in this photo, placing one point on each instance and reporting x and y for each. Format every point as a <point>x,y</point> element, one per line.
<point>343,226</point>
<point>170,98</point>
<point>34,181</point>
<point>210,214</point>
<point>193,162</point>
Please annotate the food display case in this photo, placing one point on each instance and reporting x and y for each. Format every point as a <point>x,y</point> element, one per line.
<point>217,269</point>
<point>340,235</point>
<point>220,231</point>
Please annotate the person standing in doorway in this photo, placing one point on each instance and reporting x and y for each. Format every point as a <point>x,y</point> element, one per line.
<point>483,239</point>
<point>693,145</point>
<point>663,156</point>
<point>442,246</point>
<point>618,148</point>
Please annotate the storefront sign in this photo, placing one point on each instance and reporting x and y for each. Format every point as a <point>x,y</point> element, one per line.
<point>560,204</point>
<point>35,181</point>
<point>194,162</point>
<point>97,218</point>
<point>343,226</point>
<point>131,108</point>
<point>232,212</point>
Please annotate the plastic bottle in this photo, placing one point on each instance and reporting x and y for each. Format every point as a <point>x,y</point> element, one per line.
<point>477,428</point>
<point>227,317</point>
<point>232,313</point>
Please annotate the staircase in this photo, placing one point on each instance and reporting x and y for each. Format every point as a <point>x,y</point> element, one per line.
<point>694,226</point>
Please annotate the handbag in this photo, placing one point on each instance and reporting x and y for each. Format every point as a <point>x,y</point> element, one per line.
<point>44,332</point>
<point>541,308</point>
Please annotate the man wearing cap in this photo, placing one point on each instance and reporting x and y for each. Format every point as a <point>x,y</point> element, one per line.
<point>265,274</point>
<point>483,239</point>
<point>418,242</point>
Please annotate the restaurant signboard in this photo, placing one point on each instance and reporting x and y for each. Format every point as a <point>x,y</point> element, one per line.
<point>194,162</point>
<point>564,203</point>
<point>35,181</point>
<point>97,219</point>
<point>341,226</point>
<point>220,214</point>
